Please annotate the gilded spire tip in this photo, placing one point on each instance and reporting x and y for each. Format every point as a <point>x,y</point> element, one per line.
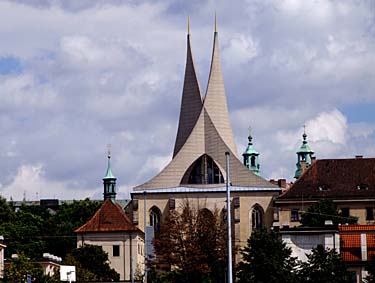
<point>188,24</point>
<point>215,23</point>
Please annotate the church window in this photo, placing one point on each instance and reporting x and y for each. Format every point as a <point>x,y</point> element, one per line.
<point>116,250</point>
<point>155,216</point>
<point>203,171</point>
<point>257,217</point>
<point>253,161</point>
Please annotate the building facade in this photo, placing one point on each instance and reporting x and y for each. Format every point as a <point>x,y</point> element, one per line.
<point>349,183</point>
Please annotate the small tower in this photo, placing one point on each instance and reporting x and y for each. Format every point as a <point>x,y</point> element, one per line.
<point>251,157</point>
<point>109,181</point>
<point>304,156</point>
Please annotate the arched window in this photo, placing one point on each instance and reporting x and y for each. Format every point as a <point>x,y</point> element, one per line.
<point>256,217</point>
<point>155,215</point>
<point>203,171</point>
<point>253,161</point>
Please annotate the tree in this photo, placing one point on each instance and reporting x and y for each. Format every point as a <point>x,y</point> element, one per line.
<point>69,217</point>
<point>19,268</point>
<point>324,265</point>
<point>92,264</point>
<point>325,209</point>
<point>193,242</point>
<point>266,259</point>
<point>6,211</point>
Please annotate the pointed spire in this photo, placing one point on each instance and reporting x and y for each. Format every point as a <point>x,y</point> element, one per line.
<point>109,181</point>
<point>215,101</point>
<point>191,102</point>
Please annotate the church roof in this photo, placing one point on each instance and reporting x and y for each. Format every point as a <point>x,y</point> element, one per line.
<point>336,179</point>
<point>204,129</point>
<point>110,217</point>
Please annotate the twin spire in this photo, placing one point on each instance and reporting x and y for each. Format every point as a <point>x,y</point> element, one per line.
<point>214,102</point>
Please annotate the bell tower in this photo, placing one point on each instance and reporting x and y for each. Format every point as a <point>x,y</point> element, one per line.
<point>304,156</point>
<point>251,156</point>
<point>109,181</point>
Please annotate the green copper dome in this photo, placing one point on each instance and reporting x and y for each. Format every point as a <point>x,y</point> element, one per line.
<point>305,148</point>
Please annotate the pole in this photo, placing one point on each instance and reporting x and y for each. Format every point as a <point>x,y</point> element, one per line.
<point>229,222</point>
<point>144,230</point>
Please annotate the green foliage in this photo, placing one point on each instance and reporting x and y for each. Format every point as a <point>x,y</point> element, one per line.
<point>324,210</point>
<point>19,268</point>
<point>69,217</point>
<point>194,244</point>
<point>266,259</point>
<point>92,264</point>
<point>324,265</point>
<point>34,230</point>
<point>6,211</point>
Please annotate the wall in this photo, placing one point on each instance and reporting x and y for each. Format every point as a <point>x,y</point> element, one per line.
<point>122,263</point>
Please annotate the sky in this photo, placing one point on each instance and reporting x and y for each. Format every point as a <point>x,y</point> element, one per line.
<point>78,75</point>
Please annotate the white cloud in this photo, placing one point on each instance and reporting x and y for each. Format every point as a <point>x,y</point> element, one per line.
<point>240,50</point>
<point>30,182</point>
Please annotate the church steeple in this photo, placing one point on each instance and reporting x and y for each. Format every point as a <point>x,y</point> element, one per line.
<point>109,181</point>
<point>191,103</point>
<point>304,156</point>
<point>251,157</point>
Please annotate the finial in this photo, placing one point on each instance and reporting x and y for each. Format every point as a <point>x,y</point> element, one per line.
<point>250,137</point>
<point>215,23</point>
<point>109,150</point>
<point>188,24</point>
<point>304,134</point>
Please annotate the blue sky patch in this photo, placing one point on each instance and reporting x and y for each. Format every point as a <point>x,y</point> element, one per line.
<point>10,65</point>
<point>360,112</point>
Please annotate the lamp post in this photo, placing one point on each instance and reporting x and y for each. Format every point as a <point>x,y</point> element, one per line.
<point>229,222</point>
<point>144,230</point>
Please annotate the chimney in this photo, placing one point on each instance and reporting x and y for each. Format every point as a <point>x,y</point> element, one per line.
<point>282,183</point>
<point>303,166</point>
<point>313,159</point>
<point>358,156</point>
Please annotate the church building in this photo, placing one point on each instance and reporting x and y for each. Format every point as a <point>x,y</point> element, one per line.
<point>197,171</point>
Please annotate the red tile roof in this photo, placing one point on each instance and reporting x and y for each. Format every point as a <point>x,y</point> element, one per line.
<point>109,217</point>
<point>350,241</point>
<point>351,228</point>
<point>350,247</point>
<point>335,178</point>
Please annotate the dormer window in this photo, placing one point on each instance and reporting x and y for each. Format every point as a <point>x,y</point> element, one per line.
<point>362,187</point>
<point>323,188</point>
